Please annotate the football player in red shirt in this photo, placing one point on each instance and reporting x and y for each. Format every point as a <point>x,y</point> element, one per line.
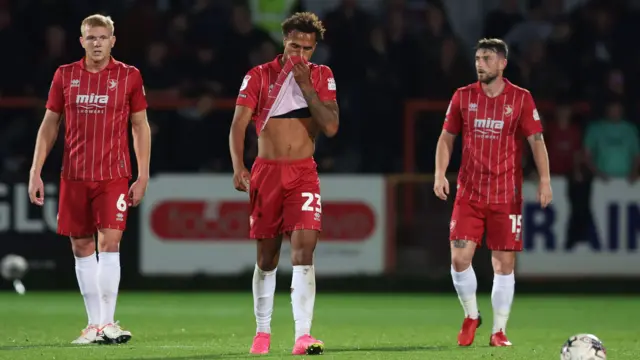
<point>493,116</point>
<point>97,95</point>
<point>291,102</point>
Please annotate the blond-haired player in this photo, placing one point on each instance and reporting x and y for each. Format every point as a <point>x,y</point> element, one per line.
<point>97,95</point>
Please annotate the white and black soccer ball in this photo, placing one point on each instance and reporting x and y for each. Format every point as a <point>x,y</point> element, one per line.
<point>13,267</point>
<point>583,347</point>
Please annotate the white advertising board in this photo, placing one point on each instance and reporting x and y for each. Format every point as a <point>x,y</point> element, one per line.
<point>192,224</point>
<point>611,247</point>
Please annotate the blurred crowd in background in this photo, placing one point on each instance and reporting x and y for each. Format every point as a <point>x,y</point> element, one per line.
<point>381,55</point>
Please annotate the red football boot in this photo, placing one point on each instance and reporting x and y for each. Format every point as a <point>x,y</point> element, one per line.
<point>499,339</point>
<point>468,331</point>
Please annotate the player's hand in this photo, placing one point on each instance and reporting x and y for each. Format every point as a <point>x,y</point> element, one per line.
<point>545,195</point>
<point>136,191</point>
<point>36,190</point>
<point>441,187</point>
<point>241,180</point>
<point>302,74</point>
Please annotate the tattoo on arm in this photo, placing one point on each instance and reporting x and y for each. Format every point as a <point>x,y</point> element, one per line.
<point>537,137</point>
<point>460,244</point>
<point>323,113</point>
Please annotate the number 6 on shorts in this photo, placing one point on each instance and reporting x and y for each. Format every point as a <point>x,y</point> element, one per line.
<point>121,204</point>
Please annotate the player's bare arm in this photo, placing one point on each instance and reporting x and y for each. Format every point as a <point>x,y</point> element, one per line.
<point>141,133</point>
<point>47,135</point>
<point>541,158</point>
<point>326,114</point>
<point>239,124</point>
<point>443,156</point>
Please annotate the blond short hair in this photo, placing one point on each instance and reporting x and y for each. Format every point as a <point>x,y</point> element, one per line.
<point>97,20</point>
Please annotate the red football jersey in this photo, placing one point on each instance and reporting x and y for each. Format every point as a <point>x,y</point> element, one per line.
<point>263,79</point>
<point>96,108</point>
<point>492,136</point>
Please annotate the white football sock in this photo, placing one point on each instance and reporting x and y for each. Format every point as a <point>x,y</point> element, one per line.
<point>87,275</point>
<point>264,288</point>
<point>501,299</point>
<point>466,285</point>
<point>303,297</point>
<point>108,283</point>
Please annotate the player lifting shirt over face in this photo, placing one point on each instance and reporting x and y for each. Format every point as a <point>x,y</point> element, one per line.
<point>291,101</point>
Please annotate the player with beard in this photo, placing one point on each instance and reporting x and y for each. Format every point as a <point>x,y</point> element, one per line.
<point>291,102</point>
<point>493,116</point>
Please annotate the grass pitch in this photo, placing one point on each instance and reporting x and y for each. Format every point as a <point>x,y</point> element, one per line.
<point>221,326</point>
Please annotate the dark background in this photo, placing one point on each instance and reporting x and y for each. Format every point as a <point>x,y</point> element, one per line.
<point>577,62</point>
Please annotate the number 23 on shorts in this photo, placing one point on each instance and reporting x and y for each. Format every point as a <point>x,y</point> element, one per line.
<point>309,203</point>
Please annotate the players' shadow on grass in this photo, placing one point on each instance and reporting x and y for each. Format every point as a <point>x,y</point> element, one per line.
<point>198,357</point>
<point>328,352</point>
<point>389,349</point>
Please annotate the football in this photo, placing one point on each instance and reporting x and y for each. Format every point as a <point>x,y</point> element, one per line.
<point>583,347</point>
<point>13,267</point>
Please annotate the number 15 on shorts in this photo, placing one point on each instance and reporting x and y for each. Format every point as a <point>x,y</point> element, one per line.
<point>516,225</point>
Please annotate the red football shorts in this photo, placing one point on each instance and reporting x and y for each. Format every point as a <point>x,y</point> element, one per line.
<point>86,206</point>
<point>502,224</point>
<point>285,196</point>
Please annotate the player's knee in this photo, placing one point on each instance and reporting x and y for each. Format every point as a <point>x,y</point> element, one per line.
<point>503,268</point>
<point>302,256</point>
<point>462,254</point>
<point>109,240</point>
<point>267,263</point>
<point>303,245</point>
<point>83,246</point>
<point>460,264</point>
<point>268,253</point>
<point>503,262</point>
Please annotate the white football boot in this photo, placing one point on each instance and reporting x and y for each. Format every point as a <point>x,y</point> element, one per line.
<point>113,334</point>
<point>88,336</point>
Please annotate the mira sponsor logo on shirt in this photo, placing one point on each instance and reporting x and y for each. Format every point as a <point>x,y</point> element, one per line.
<point>91,104</point>
<point>487,128</point>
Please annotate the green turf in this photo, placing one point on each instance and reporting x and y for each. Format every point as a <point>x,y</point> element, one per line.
<point>220,326</point>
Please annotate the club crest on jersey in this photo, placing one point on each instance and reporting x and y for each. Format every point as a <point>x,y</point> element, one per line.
<point>536,116</point>
<point>331,84</point>
<point>508,110</point>
<point>113,84</point>
<point>75,83</point>
<point>245,82</point>
<point>473,107</point>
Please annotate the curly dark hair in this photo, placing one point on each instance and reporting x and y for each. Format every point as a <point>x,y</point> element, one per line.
<point>305,22</point>
<point>494,44</point>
